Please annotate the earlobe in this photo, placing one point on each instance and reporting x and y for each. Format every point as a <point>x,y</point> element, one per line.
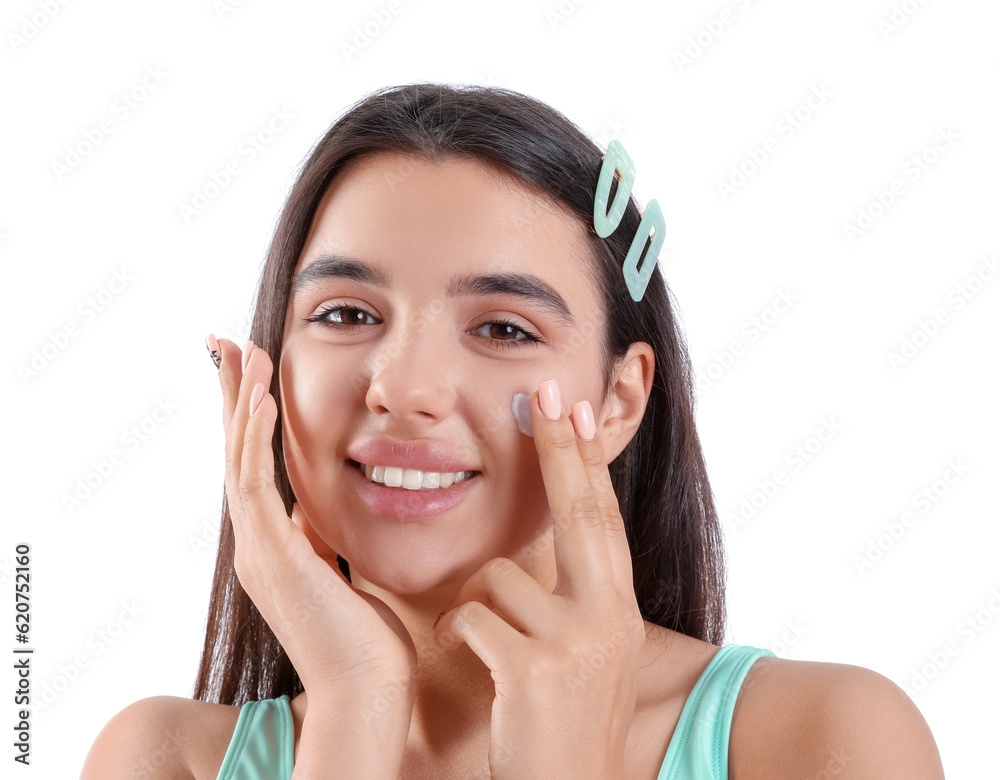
<point>629,395</point>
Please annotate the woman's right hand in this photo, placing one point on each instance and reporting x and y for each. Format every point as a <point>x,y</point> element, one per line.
<point>345,644</point>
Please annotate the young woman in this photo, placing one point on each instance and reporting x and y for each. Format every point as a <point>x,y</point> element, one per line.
<point>467,527</point>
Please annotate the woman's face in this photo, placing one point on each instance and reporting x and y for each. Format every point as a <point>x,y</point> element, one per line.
<point>412,362</point>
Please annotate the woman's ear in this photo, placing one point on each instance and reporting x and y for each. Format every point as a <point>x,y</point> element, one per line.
<point>630,392</point>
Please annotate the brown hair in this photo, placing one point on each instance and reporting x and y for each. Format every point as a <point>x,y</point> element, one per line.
<point>660,477</point>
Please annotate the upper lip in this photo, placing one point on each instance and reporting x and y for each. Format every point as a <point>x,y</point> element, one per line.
<point>420,455</point>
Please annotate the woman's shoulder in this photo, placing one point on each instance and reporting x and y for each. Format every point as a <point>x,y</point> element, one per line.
<point>163,738</point>
<point>806,718</point>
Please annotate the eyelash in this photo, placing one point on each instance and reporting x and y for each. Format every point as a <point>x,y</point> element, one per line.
<point>530,337</point>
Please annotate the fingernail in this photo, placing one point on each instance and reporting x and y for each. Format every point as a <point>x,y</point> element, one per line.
<point>256,397</point>
<point>583,420</point>
<point>214,350</point>
<point>522,413</point>
<point>435,623</point>
<point>548,399</point>
<point>246,354</point>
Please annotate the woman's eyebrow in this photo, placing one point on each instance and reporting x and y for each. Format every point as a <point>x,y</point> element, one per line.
<point>528,286</point>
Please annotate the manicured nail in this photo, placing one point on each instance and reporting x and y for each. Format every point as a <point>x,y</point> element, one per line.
<point>522,413</point>
<point>435,623</point>
<point>256,397</point>
<point>246,354</point>
<point>214,350</point>
<point>548,399</point>
<point>583,420</point>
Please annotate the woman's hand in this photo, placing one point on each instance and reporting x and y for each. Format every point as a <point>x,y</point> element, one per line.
<point>347,646</point>
<point>565,663</point>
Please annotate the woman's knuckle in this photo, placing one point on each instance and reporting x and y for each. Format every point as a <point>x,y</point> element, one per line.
<point>498,568</point>
<point>563,441</point>
<point>248,485</point>
<point>467,615</point>
<point>583,507</point>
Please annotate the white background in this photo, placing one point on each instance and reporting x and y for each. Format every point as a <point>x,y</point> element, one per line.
<point>145,538</point>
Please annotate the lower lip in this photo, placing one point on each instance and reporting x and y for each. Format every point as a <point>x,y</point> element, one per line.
<point>403,504</point>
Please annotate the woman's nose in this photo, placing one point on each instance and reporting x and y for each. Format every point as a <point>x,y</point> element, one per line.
<point>410,377</point>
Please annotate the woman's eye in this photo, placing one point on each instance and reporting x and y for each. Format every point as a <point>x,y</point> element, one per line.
<point>503,328</point>
<point>498,331</point>
<point>355,317</point>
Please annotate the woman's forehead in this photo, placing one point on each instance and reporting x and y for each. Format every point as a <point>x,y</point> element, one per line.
<point>457,212</point>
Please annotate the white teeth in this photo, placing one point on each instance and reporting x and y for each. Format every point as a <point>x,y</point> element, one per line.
<point>412,479</point>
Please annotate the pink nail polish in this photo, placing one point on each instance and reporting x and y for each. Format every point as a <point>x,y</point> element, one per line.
<point>548,399</point>
<point>256,397</point>
<point>583,420</point>
<point>246,354</point>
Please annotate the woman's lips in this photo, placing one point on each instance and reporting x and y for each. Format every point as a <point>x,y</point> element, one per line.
<point>360,467</point>
<point>399,503</point>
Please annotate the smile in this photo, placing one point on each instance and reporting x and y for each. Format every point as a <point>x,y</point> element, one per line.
<point>411,479</point>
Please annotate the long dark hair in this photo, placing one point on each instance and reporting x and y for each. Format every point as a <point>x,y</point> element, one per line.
<point>660,477</point>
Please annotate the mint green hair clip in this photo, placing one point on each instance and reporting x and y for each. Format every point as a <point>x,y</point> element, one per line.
<point>607,220</point>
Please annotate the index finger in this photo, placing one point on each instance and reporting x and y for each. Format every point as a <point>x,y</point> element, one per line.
<point>619,552</point>
<point>579,539</point>
<point>230,376</point>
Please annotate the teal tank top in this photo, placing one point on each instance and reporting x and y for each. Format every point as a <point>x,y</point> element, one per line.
<point>263,741</point>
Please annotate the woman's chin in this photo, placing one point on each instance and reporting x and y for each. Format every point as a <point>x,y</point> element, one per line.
<point>410,575</point>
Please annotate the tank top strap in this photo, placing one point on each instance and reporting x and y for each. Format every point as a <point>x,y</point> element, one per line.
<point>700,744</point>
<point>262,743</point>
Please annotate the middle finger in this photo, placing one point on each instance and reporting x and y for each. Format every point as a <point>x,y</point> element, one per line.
<point>579,538</point>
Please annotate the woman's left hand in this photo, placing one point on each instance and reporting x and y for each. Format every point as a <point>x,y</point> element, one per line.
<point>565,663</point>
